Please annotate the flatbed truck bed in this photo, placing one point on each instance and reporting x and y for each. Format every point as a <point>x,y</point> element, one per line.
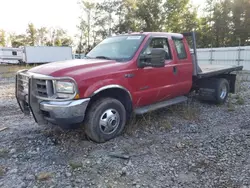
<point>214,70</point>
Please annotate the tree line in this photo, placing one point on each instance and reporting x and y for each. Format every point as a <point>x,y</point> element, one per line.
<point>36,36</point>
<point>219,23</point>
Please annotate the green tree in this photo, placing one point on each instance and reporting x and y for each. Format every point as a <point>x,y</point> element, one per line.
<point>31,34</point>
<point>149,12</point>
<point>2,38</point>
<point>42,38</point>
<point>240,21</point>
<point>228,23</point>
<point>82,36</point>
<point>88,6</point>
<point>124,15</point>
<point>204,34</point>
<point>67,41</point>
<point>18,40</point>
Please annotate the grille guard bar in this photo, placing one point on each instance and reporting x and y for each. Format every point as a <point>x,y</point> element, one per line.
<point>30,102</point>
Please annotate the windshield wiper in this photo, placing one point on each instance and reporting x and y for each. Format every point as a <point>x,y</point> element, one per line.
<point>102,57</point>
<point>89,57</point>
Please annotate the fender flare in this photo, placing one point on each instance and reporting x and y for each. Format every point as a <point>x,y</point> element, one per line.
<point>112,86</point>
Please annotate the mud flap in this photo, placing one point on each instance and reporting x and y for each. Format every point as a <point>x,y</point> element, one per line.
<point>207,93</point>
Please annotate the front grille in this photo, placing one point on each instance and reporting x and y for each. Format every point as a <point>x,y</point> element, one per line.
<point>41,88</point>
<point>44,88</point>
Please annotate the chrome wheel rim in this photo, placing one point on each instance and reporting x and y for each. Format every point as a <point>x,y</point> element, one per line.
<point>109,121</point>
<point>223,92</point>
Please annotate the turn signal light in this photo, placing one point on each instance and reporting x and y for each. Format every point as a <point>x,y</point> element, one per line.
<point>77,96</point>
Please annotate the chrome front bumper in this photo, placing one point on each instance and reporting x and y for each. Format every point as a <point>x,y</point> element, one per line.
<point>64,113</point>
<point>60,112</point>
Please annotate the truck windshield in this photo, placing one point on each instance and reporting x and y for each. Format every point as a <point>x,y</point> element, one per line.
<point>119,48</point>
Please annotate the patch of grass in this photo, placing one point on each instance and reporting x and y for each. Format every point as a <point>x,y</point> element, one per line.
<point>158,119</point>
<point>140,122</point>
<point>190,113</point>
<point>44,176</point>
<point>3,153</point>
<point>75,165</point>
<point>230,107</point>
<point>132,126</point>
<point>14,68</point>
<point>8,71</point>
<point>165,125</point>
<point>240,101</point>
<point>110,186</point>
<point>2,171</point>
<point>239,82</point>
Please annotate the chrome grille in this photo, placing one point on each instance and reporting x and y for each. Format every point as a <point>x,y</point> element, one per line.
<point>41,88</point>
<point>44,88</point>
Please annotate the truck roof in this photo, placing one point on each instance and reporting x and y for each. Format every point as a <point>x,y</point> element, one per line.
<point>178,35</point>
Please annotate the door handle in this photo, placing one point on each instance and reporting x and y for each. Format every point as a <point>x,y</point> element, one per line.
<point>175,70</point>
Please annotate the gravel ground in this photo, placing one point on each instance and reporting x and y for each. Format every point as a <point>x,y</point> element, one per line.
<point>189,145</point>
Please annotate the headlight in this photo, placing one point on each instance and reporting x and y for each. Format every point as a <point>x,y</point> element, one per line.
<point>65,87</point>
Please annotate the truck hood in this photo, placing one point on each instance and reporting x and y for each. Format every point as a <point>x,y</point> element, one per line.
<point>74,68</point>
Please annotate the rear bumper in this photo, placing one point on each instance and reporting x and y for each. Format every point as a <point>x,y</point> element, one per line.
<point>64,113</point>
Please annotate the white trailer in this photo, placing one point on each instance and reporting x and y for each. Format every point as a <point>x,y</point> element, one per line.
<point>46,54</point>
<point>11,55</point>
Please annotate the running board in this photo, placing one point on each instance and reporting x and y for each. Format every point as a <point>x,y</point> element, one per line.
<point>156,106</point>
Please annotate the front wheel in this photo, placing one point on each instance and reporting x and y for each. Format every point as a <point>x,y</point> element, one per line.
<point>105,120</point>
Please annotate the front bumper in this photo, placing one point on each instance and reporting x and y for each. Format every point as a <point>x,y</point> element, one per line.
<point>60,112</point>
<point>64,113</point>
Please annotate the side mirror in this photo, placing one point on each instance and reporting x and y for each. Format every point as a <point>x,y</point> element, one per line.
<point>155,59</point>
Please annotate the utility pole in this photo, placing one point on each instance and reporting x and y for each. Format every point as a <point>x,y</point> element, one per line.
<point>239,51</point>
<point>211,30</point>
<point>88,33</point>
<point>80,46</point>
<point>88,27</point>
<point>110,18</point>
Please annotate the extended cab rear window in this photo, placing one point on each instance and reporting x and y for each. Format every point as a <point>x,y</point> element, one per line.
<point>180,48</point>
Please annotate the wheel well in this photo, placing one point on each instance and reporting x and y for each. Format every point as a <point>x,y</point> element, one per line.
<point>116,93</point>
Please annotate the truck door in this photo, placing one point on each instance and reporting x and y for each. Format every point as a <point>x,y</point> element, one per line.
<point>184,66</point>
<point>156,84</point>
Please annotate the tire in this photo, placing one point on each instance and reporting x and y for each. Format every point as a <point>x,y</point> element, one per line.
<point>105,120</point>
<point>221,91</point>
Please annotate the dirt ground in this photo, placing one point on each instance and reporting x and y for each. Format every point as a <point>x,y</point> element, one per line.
<point>190,145</point>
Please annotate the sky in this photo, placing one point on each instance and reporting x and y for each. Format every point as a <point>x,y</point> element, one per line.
<point>16,14</point>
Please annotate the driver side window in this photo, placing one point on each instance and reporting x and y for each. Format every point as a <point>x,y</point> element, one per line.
<point>159,43</point>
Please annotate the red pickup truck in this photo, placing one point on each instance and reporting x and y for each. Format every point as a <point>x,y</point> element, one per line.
<point>124,74</point>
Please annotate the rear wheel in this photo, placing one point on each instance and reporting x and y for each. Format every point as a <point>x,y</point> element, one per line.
<point>221,91</point>
<point>105,120</point>
<point>215,90</point>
